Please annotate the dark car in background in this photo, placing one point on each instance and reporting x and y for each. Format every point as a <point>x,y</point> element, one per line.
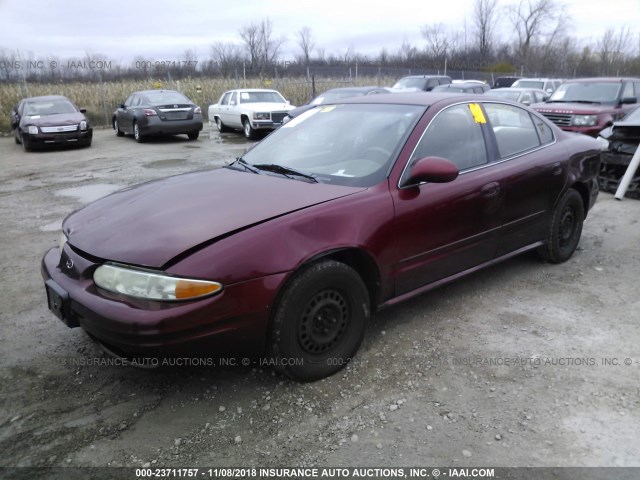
<point>157,113</point>
<point>463,87</point>
<point>621,141</point>
<point>349,208</point>
<point>334,95</point>
<point>51,120</point>
<point>526,96</point>
<point>588,105</point>
<point>504,82</point>
<point>421,82</point>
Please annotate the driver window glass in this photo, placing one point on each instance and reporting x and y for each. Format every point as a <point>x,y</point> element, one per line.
<point>234,99</point>
<point>455,135</point>
<point>129,100</point>
<point>225,99</point>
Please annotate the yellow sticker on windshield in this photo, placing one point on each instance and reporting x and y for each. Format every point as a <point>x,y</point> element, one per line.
<point>328,109</point>
<point>477,113</point>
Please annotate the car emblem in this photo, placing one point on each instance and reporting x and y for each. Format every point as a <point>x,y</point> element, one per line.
<point>69,264</point>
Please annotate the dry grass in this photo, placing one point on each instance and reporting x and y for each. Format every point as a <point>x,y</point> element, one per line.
<point>100,99</point>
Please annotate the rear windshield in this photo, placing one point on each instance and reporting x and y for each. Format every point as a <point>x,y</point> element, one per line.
<point>409,82</point>
<point>161,98</point>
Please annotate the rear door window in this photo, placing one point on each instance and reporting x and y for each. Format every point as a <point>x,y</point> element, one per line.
<point>515,129</point>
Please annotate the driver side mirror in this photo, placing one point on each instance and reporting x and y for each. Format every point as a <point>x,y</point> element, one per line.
<point>627,100</point>
<point>431,170</point>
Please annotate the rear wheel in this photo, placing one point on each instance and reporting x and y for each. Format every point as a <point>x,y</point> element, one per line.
<point>136,133</point>
<point>565,228</point>
<point>222,128</point>
<point>319,321</point>
<point>249,131</point>
<point>193,135</point>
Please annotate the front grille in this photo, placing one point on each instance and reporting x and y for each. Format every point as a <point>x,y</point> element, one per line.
<point>59,129</point>
<point>560,119</point>
<point>276,117</point>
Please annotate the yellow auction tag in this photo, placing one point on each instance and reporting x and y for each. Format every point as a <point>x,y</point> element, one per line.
<point>328,109</point>
<point>477,113</point>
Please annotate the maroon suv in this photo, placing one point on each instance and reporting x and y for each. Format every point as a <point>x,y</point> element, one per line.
<point>588,105</point>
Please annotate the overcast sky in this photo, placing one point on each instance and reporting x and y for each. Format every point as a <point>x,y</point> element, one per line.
<point>164,29</point>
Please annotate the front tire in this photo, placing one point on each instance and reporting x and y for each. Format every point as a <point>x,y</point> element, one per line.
<point>26,146</point>
<point>249,131</point>
<point>319,321</point>
<point>565,228</point>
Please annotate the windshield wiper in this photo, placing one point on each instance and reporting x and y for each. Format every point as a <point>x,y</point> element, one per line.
<point>247,166</point>
<point>286,171</point>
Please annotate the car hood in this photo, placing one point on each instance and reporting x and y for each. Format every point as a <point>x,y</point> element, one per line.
<point>152,223</point>
<point>569,107</point>
<point>266,106</point>
<point>53,120</point>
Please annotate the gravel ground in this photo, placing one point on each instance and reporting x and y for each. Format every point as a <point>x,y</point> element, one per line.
<point>522,364</point>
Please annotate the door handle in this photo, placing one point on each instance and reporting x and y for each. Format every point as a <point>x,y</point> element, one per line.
<point>556,168</point>
<point>490,189</point>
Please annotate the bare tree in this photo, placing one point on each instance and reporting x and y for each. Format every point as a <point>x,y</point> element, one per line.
<point>534,20</point>
<point>485,17</point>
<point>437,39</point>
<point>270,46</point>
<point>306,43</point>
<point>226,56</point>
<point>613,48</point>
<point>250,35</point>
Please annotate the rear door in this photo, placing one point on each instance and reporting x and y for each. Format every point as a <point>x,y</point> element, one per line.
<point>533,173</point>
<point>444,229</point>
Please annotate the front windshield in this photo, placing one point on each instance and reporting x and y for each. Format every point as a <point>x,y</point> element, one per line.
<point>593,92</point>
<point>513,95</point>
<point>410,82</point>
<point>348,144</point>
<point>261,97</point>
<point>53,107</point>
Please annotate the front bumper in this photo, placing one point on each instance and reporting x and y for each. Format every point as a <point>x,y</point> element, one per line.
<point>592,131</point>
<point>78,137</point>
<point>228,324</point>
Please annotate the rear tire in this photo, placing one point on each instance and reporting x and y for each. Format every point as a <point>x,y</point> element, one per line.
<point>193,135</point>
<point>319,321</point>
<point>136,133</point>
<point>116,127</point>
<point>222,128</point>
<point>565,228</point>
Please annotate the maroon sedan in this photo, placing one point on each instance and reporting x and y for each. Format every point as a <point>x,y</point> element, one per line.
<point>349,208</point>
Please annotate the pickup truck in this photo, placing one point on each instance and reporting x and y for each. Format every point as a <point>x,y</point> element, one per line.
<point>249,110</point>
<point>588,105</point>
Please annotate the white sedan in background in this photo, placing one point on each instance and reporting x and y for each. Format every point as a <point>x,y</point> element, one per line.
<point>249,110</point>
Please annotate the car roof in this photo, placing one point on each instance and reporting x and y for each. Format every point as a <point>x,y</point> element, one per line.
<point>252,90</point>
<point>146,92</point>
<point>426,76</point>
<point>519,89</point>
<point>423,99</point>
<point>603,79</point>
<point>354,89</point>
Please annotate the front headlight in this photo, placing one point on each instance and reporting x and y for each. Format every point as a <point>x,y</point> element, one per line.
<point>261,116</point>
<point>33,130</point>
<point>584,120</point>
<point>83,125</point>
<point>151,285</point>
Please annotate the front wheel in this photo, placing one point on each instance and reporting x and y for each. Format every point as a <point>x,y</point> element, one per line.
<point>319,321</point>
<point>249,131</point>
<point>565,228</point>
